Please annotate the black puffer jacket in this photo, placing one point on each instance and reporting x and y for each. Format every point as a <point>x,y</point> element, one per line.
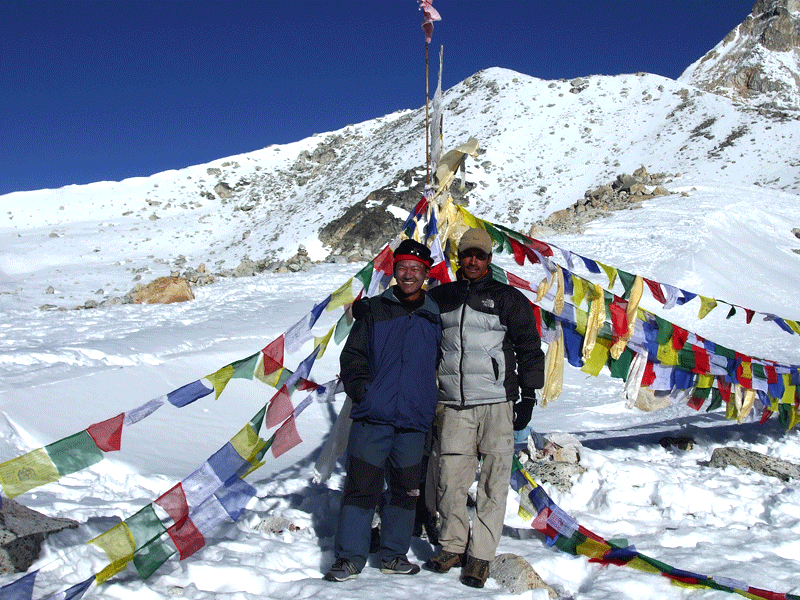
<point>490,345</point>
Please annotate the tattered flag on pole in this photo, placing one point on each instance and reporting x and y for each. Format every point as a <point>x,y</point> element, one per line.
<point>430,15</point>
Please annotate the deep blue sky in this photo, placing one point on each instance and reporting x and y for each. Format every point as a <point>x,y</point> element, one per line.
<point>104,90</point>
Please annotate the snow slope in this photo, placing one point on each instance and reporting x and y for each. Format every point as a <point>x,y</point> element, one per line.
<point>729,237</point>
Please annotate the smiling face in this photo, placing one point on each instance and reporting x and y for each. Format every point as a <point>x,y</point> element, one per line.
<point>410,275</point>
<point>474,263</point>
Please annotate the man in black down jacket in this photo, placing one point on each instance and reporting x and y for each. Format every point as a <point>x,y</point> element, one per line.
<point>388,367</point>
<point>490,350</point>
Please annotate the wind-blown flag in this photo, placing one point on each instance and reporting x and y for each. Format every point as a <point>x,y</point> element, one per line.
<point>430,15</point>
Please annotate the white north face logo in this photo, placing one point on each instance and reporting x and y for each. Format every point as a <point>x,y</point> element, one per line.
<point>488,303</point>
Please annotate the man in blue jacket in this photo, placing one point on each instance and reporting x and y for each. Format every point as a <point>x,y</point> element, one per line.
<point>388,367</point>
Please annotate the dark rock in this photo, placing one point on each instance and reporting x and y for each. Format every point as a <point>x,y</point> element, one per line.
<point>22,532</point>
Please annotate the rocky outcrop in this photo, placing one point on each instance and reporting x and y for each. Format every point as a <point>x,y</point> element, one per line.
<point>755,461</point>
<point>164,290</point>
<point>759,60</point>
<point>22,532</point>
<point>625,192</point>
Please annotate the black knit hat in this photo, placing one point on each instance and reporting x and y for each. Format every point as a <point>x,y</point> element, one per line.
<point>411,250</point>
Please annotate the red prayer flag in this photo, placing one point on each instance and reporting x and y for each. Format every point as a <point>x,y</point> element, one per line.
<point>750,314</point>
<point>619,316</point>
<point>186,537</point>
<point>519,251</point>
<point>384,262</point>
<point>273,356</point>
<point>649,374</point>
<point>701,361</point>
<point>439,272</point>
<point>679,337</point>
<point>517,282</point>
<point>541,247</point>
<point>286,438</point>
<point>108,434</point>
<point>279,408</point>
<point>174,502</point>
<point>655,288</point>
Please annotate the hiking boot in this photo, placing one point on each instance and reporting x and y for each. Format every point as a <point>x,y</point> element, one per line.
<point>442,562</point>
<point>475,572</point>
<point>399,566</point>
<point>342,570</point>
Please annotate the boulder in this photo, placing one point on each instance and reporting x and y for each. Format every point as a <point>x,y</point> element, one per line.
<point>755,461</point>
<point>516,575</point>
<point>164,290</point>
<point>22,532</point>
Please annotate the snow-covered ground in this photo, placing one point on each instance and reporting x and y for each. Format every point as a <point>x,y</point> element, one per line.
<point>61,371</point>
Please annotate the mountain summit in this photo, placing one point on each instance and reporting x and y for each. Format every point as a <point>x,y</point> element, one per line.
<point>759,61</point>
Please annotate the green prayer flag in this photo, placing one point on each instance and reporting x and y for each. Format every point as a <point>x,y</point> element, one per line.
<point>343,327</point>
<point>686,359</point>
<point>497,237</point>
<point>365,274</point>
<point>145,526</point>
<point>498,274</point>
<point>627,280</point>
<point>74,453</point>
<point>258,419</point>
<point>621,366</point>
<point>716,400</point>
<point>664,331</point>
<point>154,554</point>
<point>244,369</point>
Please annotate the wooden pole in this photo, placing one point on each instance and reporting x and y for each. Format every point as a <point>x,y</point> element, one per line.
<point>427,123</point>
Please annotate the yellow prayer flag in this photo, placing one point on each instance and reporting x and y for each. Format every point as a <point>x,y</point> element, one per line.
<point>271,379</point>
<point>342,297</point>
<point>578,290</point>
<point>469,220</point>
<point>611,272</point>
<point>747,404</point>
<point>705,380</point>
<point>593,548</point>
<point>558,302</point>
<point>641,565</point>
<point>554,368</point>
<point>667,355</point>
<point>598,357</point>
<point>322,342</point>
<point>26,472</point>
<point>118,543</point>
<point>220,379</point>
<point>247,443</point>
<point>793,325</point>
<point>706,306</point>
<point>597,316</point>
<point>789,390</point>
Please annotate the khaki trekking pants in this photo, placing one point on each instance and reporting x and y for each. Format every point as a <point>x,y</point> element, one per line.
<point>467,435</point>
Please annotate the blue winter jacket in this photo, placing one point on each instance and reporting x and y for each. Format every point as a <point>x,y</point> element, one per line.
<point>388,364</point>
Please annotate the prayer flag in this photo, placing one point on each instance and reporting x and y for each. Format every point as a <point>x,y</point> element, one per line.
<point>286,438</point>
<point>186,537</point>
<point>74,453</point>
<point>189,393</point>
<point>199,485</point>
<point>145,526</point>
<point>235,496</point>
<point>119,546</point>
<point>21,589</point>
<point>154,554</point>
<point>220,379</point>
<point>273,355</point>
<point>279,408</point>
<point>342,296</point>
<point>143,411</point>
<point>244,369</point>
<point>430,15</point>
<point>174,502</point>
<point>107,435</point>
<point>26,472</point>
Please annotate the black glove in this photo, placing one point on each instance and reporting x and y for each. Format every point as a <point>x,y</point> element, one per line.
<point>523,409</point>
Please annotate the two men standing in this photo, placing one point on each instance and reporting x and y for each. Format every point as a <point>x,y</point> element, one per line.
<point>490,349</point>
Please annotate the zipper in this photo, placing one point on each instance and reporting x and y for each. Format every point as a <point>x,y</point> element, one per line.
<point>461,335</point>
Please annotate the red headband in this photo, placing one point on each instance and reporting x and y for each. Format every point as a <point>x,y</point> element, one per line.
<point>400,257</point>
